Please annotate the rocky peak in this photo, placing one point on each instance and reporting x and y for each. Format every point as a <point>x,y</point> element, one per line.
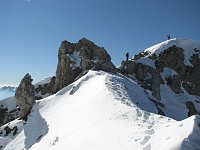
<point>25,97</point>
<point>77,58</point>
<point>175,63</point>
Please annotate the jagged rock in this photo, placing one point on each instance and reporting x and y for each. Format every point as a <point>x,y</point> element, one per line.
<point>9,130</point>
<point>74,58</point>
<point>45,89</point>
<point>7,116</point>
<point>25,96</point>
<point>173,57</point>
<point>149,68</point>
<point>169,59</point>
<point>3,116</point>
<point>192,110</point>
<point>174,82</point>
<point>146,75</point>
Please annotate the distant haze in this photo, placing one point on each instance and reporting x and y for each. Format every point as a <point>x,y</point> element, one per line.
<point>6,91</point>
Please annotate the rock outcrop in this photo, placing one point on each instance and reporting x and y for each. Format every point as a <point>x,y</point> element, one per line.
<point>44,88</point>
<point>76,58</point>
<point>25,97</point>
<point>175,63</point>
<point>148,77</point>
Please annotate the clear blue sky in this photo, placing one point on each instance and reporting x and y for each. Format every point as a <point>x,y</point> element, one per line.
<point>31,30</point>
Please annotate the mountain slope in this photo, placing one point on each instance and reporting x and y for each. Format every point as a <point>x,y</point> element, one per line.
<point>169,73</point>
<point>100,111</point>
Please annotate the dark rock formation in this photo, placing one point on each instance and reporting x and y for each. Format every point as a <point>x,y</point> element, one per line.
<point>8,130</point>
<point>25,97</point>
<point>174,82</point>
<point>75,58</point>
<point>43,90</point>
<point>191,108</point>
<point>6,115</point>
<point>173,57</point>
<point>146,75</point>
<point>169,68</point>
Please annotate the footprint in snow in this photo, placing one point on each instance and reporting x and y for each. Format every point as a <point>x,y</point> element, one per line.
<point>145,140</point>
<point>150,132</point>
<point>148,147</point>
<point>180,125</point>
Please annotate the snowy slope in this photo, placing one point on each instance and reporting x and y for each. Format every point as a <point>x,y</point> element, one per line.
<point>99,112</point>
<point>189,47</point>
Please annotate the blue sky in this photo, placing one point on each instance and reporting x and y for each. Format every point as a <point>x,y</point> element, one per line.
<point>31,30</point>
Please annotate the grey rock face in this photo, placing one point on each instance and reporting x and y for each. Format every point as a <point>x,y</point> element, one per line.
<point>75,58</point>
<point>146,75</point>
<point>44,89</point>
<point>25,96</point>
<point>182,76</point>
<point>7,116</point>
<point>191,108</point>
<point>175,83</point>
<point>173,58</point>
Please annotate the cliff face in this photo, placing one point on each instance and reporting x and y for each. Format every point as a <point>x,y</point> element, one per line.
<point>175,63</point>
<point>75,59</point>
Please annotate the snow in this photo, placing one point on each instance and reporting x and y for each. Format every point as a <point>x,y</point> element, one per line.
<point>187,44</point>
<point>146,61</point>
<point>42,82</point>
<point>101,111</point>
<point>76,60</point>
<point>9,103</point>
<point>168,72</point>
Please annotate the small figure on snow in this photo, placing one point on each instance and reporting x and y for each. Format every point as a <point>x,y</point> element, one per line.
<point>127,56</point>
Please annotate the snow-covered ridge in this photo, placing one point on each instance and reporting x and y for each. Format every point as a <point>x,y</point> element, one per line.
<point>87,114</point>
<point>188,45</point>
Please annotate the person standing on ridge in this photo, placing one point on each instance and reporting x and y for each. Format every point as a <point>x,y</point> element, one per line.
<point>127,56</point>
<point>168,37</point>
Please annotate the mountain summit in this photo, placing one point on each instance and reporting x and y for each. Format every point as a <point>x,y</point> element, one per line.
<point>150,103</point>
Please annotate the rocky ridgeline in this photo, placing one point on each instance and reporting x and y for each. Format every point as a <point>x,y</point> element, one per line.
<point>74,60</point>
<point>148,68</point>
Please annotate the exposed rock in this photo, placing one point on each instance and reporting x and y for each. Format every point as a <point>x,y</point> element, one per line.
<point>146,75</point>
<point>151,76</point>
<point>43,90</point>
<point>173,57</point>
<point>192,110</point>
<point>9,130</point>
<point>7,116</point>
<point>74,58</point>
<point>25,97</point>
<point>175,83</point>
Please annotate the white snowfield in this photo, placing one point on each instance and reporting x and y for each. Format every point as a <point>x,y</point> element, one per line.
<point>101,111</point>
